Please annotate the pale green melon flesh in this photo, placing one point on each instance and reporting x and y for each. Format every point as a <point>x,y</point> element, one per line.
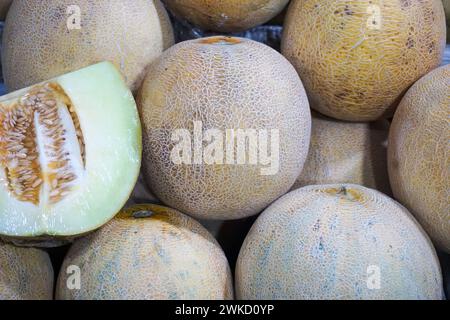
<point>111,129</point>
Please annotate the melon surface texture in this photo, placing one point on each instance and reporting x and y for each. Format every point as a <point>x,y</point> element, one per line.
<point>347,152</point>
<point>148,252</point>
<point>337,242</point>
<point>220,84</point>
<point>45,39</point>
<point>25,274</point>
<point>418,154</point>
<point>226,16</point>
<point>357,58</point>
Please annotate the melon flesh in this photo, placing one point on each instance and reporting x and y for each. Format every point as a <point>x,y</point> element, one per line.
<point>96,124</point>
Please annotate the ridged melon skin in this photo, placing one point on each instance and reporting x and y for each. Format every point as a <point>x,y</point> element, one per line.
<point>226,16</point>
<point>164,256</point>
<point>321,242</point>
<point>25,274</point>
<point>353,69</point>
<point>37,44</point>
<point>418,154</point>
<point>226,83</point>
<point>4,6</point>
<point>347,152</point>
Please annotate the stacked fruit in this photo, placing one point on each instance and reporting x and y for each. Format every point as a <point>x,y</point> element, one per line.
<point>224,129</point>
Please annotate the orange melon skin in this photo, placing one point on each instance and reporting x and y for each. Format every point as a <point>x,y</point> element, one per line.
<point>358,57</point>
<point>38,45</point>
<point>226,83</point>
<point>337,242</point>
<point>226,16</point>
<point>347,152</point>
<point>148,252</point>
<point>25,274</point>
<point>418,154</point>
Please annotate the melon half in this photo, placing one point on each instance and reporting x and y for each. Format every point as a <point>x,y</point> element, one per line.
<point>70,153</point>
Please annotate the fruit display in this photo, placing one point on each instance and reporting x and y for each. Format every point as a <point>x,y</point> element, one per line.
<point>419,163</point>
<point>148,252</point>
<point>364,54</point>
<point>346,152</point>
<point>197,150</point>
<point>208,89</point>
<point>338,239</point>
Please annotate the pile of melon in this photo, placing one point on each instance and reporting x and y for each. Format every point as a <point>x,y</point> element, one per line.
<point>134,165</point>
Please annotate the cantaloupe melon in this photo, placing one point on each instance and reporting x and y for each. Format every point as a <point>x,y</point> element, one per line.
<point>419,162</point>
<point>45,39</point>
<point>25,274</point>
<point>358,57</point>
<point>70,154</point>
<point>208,89</point>
<point>226,16</point>
<point>346,152</point>
<point>147,252</point>
<point>4,7</point>
<point>337,242</point>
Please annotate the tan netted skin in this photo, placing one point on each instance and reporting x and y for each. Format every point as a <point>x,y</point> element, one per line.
<point>347,152</point>
<point>418,154</point>
<point>337,242</point>
<point>148,252</point>
<point>226,15</point>
<point>226,83</point>
<point>38,45</point>
<point>358,57</point>
<point>25,274</point>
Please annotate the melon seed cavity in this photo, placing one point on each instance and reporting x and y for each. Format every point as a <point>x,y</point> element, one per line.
<point>42,150</point>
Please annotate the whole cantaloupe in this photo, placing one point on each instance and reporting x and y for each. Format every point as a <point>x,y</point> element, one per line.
<point>358,57</point>
<point>226,16</point>
<point>346,152</point>
<point>42,40</point>
<point>148,252</point>
<point>4,7</point>
<point>418,154</point>
<point>25,274</point>
<point>337,242</point>
<point>221,85</point>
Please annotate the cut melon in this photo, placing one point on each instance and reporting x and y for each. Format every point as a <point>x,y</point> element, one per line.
<point>70,153</point>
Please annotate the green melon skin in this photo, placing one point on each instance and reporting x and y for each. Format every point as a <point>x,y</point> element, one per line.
<point>111,129</point>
